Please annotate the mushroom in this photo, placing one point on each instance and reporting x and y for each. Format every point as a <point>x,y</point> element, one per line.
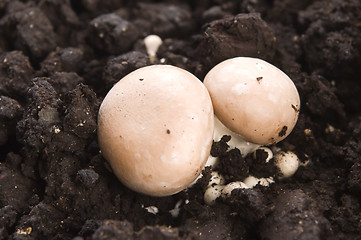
<point>227,189</point>
<point>155,128</point>
<point>253,99</point>
<point>236,140</point>
<point>212,193</point>
<point>252,181</point>
<point>152,43</point>
<point>287,162</point>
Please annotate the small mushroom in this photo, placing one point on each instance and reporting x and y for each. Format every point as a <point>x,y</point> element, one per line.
<point>155,127</point>
<point>212,193</point>
<point>254,99</point>
<point>152,43</point>
<point>252,181</point>
<point>287,162</point>
<point>227,189</point>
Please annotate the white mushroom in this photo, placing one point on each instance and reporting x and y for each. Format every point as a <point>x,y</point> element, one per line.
<point>236,140</point>
<point>252,181</point>
<point>212,161</point>
<point>212,193</point>
<point>254,99</point>
<point>287,162</point>
<point>227,190</point>
<point>155,127</point>
<point>152,43</point>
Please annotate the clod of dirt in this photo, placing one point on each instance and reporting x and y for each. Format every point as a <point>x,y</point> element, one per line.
<point>232,164</point>
<point>10,112</point>
<point>16,190</point>
<point>354,178</point>
<point>112,34</point>
<point>8,219</point>
<point>16,74</point>
<point>117,67</point>
<point>243,35</point>
<point>33,34</point>
<point>165,20</point>
<point>251,204</point>
<point>63,60</point>
<point>296,207</point>
<point>64,82</point>
<point>329,32</point>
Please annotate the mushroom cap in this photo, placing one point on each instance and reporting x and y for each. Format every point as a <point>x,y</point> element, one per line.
<point>253,99</point>
<point>152,43</point>
<point>155,128</point>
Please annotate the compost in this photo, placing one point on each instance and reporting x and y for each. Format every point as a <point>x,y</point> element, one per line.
<point>59,58</point>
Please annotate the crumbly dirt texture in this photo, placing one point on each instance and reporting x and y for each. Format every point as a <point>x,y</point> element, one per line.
<point>59,58</point>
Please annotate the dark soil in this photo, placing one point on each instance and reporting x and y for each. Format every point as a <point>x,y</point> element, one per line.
<point>59,58</point>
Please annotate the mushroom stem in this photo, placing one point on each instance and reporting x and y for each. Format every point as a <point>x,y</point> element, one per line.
<point>236,140</point>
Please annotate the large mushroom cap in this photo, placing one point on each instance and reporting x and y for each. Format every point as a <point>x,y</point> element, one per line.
<point>254,99</point>
<point>155,128</point>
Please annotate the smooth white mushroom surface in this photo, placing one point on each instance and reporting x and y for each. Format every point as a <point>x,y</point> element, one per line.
<point>253,99</point>
<point>287,162</point>
<point>155,127</point>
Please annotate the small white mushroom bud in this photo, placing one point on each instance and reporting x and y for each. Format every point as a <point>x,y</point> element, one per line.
<point>155,127</point>
<point>254,99</point>
<point>216,178</point>
<point>152,44</point>
<point>287,162</point>
<point>227,190</point>
<point>252,181</point>
<point>212,193</point>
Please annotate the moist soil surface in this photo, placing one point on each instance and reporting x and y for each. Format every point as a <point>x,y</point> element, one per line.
<point>59,58</point>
